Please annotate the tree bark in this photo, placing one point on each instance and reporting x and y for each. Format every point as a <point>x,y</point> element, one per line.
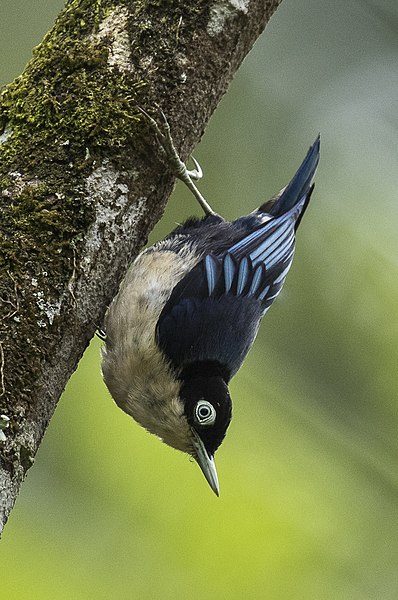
<point>80,185</point>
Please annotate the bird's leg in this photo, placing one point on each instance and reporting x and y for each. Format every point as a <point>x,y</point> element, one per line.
<point>178,168</point>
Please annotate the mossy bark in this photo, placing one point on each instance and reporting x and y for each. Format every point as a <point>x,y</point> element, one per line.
<point>80,189</point>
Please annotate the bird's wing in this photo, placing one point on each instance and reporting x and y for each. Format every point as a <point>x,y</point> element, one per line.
<point>212,330</point>
<point>213,313</point>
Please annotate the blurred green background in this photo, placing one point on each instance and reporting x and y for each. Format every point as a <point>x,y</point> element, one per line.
<point>308,471</point>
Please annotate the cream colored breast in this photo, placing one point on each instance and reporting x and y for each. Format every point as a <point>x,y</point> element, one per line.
<point>134,369</point>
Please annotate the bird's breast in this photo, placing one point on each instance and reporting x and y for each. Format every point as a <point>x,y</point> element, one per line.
<point>134,368</point>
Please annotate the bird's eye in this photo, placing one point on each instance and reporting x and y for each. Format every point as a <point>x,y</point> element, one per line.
<point>205,413</point>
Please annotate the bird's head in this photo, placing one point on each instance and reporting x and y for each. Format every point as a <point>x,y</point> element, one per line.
<point>208,411</point>
<point>189,410</point>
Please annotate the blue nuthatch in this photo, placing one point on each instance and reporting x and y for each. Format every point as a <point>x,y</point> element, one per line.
<point>189,309</point>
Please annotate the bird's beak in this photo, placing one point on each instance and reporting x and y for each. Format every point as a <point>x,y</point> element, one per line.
<point>206,463</point>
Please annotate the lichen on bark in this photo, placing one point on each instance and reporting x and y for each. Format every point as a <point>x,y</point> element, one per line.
<point>78,192</point>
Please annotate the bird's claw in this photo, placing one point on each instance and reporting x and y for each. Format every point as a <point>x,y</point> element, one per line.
<point>177,166</point>
<point>101,334</point>
<point>197,172</point>
<point>168,149</point>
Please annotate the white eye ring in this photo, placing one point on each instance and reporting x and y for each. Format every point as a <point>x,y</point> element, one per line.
<point>205,413</point>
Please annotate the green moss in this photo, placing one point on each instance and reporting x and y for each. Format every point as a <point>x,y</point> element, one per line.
<point>67,112</point>
<point>69,109</point>
<point>69,94</point>
<point>33,223</point>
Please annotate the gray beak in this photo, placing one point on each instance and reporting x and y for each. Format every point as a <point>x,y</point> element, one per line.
<point>206,463</point>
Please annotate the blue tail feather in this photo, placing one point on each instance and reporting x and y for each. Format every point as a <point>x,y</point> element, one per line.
<point>299,187</point>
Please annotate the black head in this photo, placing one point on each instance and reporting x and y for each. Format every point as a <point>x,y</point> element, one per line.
<point>208,410</point>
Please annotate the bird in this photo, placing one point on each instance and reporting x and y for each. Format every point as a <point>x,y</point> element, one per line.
<point>189,309</point>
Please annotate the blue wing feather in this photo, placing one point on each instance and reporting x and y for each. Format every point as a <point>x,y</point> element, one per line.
<point>234,284</point>
<point>229,271</point>
<point>262,295</point>
<point>243,275</point>
<point>256,280</point>
<point>211,273</point>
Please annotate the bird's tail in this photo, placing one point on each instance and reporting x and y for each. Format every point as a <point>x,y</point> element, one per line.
<point>299,187</point>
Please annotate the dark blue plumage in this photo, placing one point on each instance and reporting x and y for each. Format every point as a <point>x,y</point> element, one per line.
<point>189,309</point>
<point>213,313</point>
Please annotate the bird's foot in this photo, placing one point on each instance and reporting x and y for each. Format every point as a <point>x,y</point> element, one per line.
<point>177,166</point>
<point>101,334</point>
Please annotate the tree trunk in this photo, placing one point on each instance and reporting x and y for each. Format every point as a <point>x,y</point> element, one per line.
<point>80,185</point>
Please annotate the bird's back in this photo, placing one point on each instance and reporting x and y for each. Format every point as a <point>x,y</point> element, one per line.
<point>214,311</point>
